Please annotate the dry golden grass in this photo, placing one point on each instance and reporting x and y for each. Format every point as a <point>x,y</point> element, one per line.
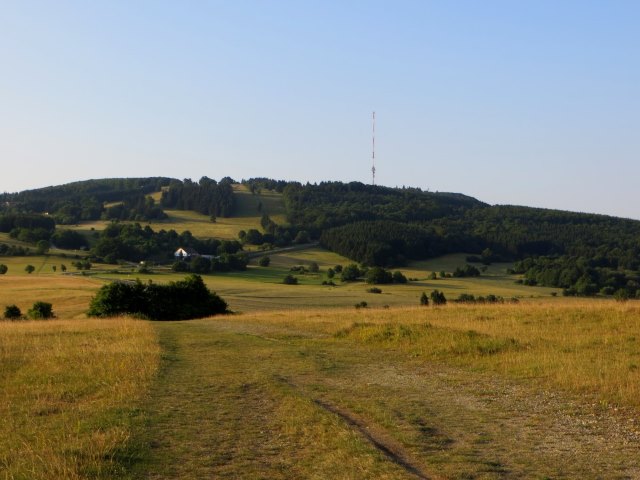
<point>69,295</point>
<point>386,393</point>
<point>582,346</point>
<point>69,396</point>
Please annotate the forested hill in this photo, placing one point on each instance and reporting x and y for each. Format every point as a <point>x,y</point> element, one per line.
<point>330,204</point>
<point>374,225</point>
<point>85,200</point>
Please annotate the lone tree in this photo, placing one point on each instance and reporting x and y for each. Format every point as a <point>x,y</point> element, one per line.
<point>40,311</point>
<point>350,273</point>
<point>3,269</point>
<point>264,261</point>
<point>424,300</point>
<point>29,269</point>
<point>12,312</point>
<point>290,280</point>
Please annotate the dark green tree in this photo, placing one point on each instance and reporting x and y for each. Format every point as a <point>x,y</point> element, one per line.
<point>12,312</point>
<point>41,311</point>
<point>438,298</point>
<point>290,280</point>
<point>350,273</point>
<point>264,261</point>
<point>29,269</point>
<point>424,299</point>
<point>3,269</point>
<point>398,277</point>
<point>378,275</point>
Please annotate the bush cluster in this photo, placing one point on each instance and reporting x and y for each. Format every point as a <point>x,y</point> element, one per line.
<point>181,300</point>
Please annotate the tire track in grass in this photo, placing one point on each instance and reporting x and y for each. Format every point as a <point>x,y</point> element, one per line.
<point>392,450</point>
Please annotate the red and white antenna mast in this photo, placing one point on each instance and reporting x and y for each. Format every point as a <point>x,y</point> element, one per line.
<point>373,150</point>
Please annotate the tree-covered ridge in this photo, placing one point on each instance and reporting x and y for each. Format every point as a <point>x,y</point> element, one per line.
<point>206,196</point>
<point>78,201</point>
<point>385,242</point>
<point>331,204</point>
<point>525,231</point>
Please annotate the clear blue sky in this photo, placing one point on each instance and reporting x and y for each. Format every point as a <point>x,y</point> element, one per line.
<point>521,102</point>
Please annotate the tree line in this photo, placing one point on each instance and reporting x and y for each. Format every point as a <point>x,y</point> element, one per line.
<point>80,201</point>
<point>207,196</point>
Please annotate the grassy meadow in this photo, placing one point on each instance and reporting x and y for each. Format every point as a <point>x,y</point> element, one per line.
<point>399,393</point>
<point>71,395</point>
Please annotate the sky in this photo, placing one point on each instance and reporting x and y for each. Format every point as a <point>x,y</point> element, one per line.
<point>528,102</point>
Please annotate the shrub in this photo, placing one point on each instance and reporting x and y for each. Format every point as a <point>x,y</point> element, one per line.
<point>438,298</point>
<point>360,305</point>
<point>398,277</point>
<point>374,290</point>
<point>3,269</point>
<point>40,311</point>
<point>621,295</point>
<point>181,300</point>
<point>180,266</point>
<point>264,261</point>
<point>29,269</point>
<point>378,275</point>
<point>290,280</point>
<point>12,312</point>
<point>424,300</point>
<point>350,273</point>
<point>465,298</point>
<point>330,273</point>
<point>314,267</point>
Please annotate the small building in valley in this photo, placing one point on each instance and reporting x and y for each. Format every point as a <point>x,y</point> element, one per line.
<point>185,253</point>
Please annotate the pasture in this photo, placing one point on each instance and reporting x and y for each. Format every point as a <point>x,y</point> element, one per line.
<point>300,384</point>
<point>71,396</point>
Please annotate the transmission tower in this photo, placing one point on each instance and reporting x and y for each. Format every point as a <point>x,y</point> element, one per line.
<point>373,150</point>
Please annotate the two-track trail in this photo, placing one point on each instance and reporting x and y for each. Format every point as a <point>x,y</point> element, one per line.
<point>237,399</point>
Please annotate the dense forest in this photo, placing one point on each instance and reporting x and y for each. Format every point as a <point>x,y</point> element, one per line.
<point>329,204</point>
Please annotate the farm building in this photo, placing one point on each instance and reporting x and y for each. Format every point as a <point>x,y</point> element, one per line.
<point>185,253</point>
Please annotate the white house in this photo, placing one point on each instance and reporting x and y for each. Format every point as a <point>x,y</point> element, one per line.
<point>185,253</point>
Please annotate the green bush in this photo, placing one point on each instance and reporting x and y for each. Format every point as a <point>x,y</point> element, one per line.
<point>41,311</point>
<point>12,312</point>
<point>290,280</point>
<point>3,269</point>
<point>438,298</point>
<point>264,261</point>
<point>374,290</point>
<point>424,299</point>
<point>398,277</point>
<point>181,300</point>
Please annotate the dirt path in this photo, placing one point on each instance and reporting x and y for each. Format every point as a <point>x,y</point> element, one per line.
<point>236,401</point>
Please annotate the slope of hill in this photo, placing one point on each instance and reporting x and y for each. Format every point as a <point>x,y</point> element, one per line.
<point>375,225</point>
